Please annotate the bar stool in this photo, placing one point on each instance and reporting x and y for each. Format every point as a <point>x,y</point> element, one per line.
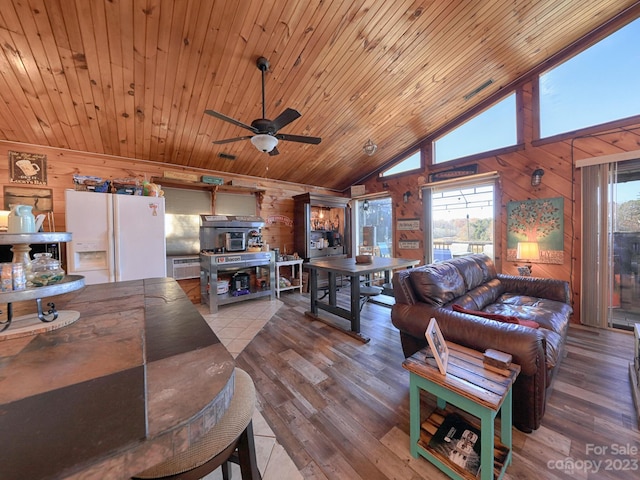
<point>231,439</point>
<point>366,292</point>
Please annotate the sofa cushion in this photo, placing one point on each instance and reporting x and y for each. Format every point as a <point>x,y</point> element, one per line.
<point>437,284</point>
<point>485,294</point>
<point>470,271</point>
<point>550,314</point>
<point>486,264</point>
<point>496,316</point>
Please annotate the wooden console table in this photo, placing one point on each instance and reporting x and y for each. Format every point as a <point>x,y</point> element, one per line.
<point>472,388</point>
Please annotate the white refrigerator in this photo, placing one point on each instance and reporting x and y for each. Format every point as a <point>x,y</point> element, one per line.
<point>115,237</point>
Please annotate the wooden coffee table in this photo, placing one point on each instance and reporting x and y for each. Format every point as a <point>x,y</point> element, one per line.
<point>472,388</point>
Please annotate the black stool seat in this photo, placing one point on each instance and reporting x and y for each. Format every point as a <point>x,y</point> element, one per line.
<point>366,292</point>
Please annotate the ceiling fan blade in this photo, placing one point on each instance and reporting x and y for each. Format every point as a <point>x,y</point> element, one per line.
<point>285,118</point>
<point>274,152</point>
<point>213,113</point>
<point>298,138</point>
<point>229,140</point>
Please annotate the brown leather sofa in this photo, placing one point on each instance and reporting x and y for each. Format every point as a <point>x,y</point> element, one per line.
<point>472,283</point>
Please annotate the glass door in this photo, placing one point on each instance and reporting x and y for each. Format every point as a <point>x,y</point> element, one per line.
<point>624,244</point>
<point>374,228</point>
<point>461,219</point>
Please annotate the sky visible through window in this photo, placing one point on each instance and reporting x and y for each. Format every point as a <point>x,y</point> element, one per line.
<point>492,129</point>
<point>596,86</point>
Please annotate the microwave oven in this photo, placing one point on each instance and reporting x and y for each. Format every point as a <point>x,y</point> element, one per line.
<point>235,241</point>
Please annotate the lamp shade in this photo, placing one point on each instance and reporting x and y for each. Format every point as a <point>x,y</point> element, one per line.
<point>264,142</point>
<point>528,251</point>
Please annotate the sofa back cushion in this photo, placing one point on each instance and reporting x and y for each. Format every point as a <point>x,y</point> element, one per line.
<point>476,269</point>
<point>437,283</point>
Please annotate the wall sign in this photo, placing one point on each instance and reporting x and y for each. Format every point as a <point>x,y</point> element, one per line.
<point>409,224</point>
<point>453,173</point>
<point>409,245</point>
<point>27,168</point>
<point>273,219</point>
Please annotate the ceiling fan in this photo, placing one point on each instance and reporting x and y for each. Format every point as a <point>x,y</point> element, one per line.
<point>266,131</point>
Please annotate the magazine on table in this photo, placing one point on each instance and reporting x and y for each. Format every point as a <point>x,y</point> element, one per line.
<point>458,441</point>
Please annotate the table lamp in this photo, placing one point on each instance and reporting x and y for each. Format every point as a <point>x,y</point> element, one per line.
<point>528,252</point>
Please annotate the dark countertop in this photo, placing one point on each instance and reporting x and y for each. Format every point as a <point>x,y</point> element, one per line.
<point>137,378</point>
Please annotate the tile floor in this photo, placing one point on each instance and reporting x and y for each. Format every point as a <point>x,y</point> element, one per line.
<point>235,325</point>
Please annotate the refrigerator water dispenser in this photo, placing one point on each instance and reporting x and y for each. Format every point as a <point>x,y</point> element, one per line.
<point>89,256</point>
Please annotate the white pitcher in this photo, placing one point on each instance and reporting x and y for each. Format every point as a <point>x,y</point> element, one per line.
<point>21,219</point>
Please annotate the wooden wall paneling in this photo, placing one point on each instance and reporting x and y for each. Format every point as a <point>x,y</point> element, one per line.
<point>132,79</point>
<point>561,179</point>
<point>63,164</point>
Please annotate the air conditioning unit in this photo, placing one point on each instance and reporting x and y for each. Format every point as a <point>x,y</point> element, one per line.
<point>182,268</point>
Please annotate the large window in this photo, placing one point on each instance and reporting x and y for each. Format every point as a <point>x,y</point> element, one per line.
<point>492,129</point>
<point>596,86</point>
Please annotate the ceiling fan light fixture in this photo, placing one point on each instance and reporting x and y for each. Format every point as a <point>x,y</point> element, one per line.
<point>370,148</point>
<point>264,142</point>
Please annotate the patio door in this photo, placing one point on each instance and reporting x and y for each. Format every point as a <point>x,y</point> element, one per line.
<point>460,217</point>
<point>611,248</point>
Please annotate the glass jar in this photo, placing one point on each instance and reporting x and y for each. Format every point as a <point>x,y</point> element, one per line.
<point>45,270</point>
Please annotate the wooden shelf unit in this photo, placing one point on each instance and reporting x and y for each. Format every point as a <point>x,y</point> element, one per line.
<point>177,183</point>
<point>429,427</point>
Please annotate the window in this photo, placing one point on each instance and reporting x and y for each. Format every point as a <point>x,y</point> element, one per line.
<point>490,130</point>
<point>412,162</point>
<point>596,86</point>
<point>460,218</point>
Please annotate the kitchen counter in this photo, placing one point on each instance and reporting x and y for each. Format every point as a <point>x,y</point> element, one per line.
<point>136,379</point>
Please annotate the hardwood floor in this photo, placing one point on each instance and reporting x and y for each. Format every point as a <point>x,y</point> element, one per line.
<point>341,408</point>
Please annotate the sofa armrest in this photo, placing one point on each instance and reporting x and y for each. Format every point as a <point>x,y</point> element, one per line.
<point>526,345</point>
<point>548,288</point>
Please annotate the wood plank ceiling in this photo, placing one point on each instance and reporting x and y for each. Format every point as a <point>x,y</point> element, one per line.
<point>133,78</point>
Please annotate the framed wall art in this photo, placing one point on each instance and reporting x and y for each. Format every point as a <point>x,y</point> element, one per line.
<point>540,222</point>
<point>27,168</point>
<point>41,199</point>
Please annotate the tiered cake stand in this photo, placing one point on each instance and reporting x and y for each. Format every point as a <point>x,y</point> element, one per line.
<point>42,321</point>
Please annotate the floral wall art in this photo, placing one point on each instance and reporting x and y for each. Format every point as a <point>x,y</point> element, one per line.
<point>539,221</point>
